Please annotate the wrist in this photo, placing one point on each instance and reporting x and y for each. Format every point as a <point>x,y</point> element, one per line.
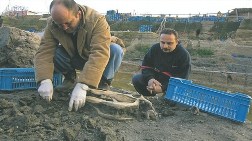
<point>46,81</point>
<point>83,86</point>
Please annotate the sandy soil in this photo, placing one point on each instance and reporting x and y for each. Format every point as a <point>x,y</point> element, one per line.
<point>25,116</point>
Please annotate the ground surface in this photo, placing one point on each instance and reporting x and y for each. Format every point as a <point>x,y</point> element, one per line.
<point>25,116</point>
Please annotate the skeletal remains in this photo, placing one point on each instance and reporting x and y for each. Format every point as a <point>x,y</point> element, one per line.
<point>119,101</point>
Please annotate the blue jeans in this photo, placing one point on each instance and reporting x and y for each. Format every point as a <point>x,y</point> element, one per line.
<point>115,60</point>
<point>65,64</point>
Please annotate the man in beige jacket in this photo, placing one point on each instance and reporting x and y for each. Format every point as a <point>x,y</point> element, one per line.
<point>76,37</point>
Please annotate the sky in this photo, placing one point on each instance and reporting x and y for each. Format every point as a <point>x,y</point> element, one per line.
<point>140,6</point>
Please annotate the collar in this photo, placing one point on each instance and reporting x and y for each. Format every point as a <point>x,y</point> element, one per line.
<point>76,30</point>
<point>80,22</point>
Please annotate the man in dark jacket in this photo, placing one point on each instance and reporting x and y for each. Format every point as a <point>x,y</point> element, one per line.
<point>163,60</point>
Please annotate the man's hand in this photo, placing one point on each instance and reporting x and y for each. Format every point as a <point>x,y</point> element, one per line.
<point>154,86</point>
<point>46,89</point>
<point>78,96</point>
<point>157,89</point>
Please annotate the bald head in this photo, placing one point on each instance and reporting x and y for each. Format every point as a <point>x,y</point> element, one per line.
<point>65,14</point>
<point>71,5</point>
<point>59,13</point>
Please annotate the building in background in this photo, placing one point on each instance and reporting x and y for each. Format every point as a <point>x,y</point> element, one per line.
<point>18,11</point>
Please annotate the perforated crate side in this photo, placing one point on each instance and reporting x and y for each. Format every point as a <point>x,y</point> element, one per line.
<point>22,78</point>
<point>234,106</point>
<point>57,79</point>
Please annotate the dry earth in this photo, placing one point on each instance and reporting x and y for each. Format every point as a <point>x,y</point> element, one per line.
<point>25,116</point>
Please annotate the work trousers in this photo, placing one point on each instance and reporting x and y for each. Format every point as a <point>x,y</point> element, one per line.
<point>66,65</point>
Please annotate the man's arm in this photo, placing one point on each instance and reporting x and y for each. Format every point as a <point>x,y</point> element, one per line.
<point>148,61</point>
<point>185,67</point>
<point>43,60</point>
<point>99,54</point>
<point>120,42</point>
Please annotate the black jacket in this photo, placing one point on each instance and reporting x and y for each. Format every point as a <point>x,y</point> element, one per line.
<point>177,63</point>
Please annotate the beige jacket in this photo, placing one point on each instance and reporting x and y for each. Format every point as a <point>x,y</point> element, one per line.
<point>93,43</point>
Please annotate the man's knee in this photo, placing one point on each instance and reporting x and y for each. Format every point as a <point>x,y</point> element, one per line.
<point>137,79</point>
<point>140,84</point>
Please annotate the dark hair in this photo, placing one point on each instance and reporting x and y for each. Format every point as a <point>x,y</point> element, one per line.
<point>69,4</point>
<point>169,31</point>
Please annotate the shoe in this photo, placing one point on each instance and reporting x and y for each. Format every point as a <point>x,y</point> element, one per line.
<point>103,86</point>
<point>65,86</point>
<point>68,82</point>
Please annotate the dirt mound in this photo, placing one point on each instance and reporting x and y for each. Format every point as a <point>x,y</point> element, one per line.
<point>17,47</point>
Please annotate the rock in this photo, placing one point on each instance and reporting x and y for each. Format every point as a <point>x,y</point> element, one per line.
<point>168,112</point>
<point>4,104</point>
<point>70,132</point>
<point>108,134</point>
<point>38,109</point>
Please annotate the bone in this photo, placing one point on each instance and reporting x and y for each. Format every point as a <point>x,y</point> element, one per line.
<point>120,101</point>
<point>117,105</point>
<point>147,101</point>
<point>112,117</point>
<point>116,95</point>
<point>152,115</point>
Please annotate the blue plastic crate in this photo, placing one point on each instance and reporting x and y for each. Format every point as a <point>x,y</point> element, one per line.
<point>22,78</point>
<point>234,106</point>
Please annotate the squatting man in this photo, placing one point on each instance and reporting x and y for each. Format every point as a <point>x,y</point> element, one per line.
<point>76,38</point>
<point>165,59</point>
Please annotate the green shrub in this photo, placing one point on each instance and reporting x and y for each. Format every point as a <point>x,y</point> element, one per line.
<point>221,30</point>
<point>129,35</point>
<point>204,52</point>
<point>201,52</point>
<point>142,48</point>
<point>25,23</point>
<point>247,24</point>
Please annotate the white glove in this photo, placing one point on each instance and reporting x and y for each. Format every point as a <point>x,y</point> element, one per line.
<point>46,89</point>
<point>78,96</point>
